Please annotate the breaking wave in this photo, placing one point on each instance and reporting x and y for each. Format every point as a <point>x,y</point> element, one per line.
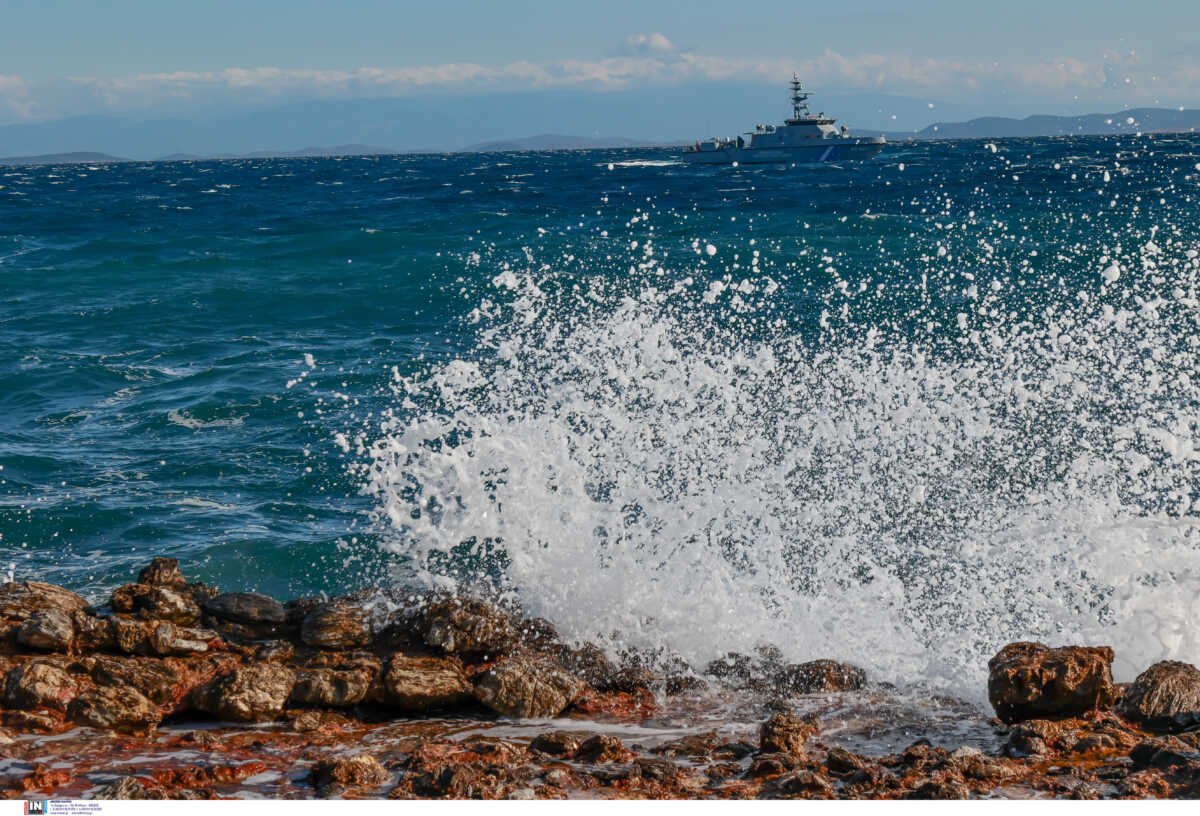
<point>902,474</point>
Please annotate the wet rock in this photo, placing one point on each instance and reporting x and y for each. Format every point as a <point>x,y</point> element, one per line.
<point>331,687</point>
<point>39,685</point>
<point>803,783</point>
<point>682,683</point>
<point>128,787</point>
<point>1164,754</point>
<point>820,676</point>
<point>332,776</point>
<point>786,733</point>
<point>114,708</point>
<point>48,630</point>
<point>424,683</point>
<point>921,754</point>
<point>696,746</point>
<point>737,750</point>
<point>842,762</point>
<point>468,626</point>
<point>336,625</point>
<point>1029,680</point>
<point>527,686</point>
<point>247,694</point>
<point>162,572</point>
<point>658,770</point>
<point>589,663</point>
<point>946,787</point>
<point>557,743</point>
<point>1165,697</point>
<point>41,722</point>
<point>602,748</point>
<point>257,615</point>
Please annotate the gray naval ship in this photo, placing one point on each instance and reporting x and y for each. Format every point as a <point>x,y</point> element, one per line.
<point>803,138</point>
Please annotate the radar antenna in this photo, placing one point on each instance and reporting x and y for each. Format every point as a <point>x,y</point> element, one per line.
<point>799,98</point>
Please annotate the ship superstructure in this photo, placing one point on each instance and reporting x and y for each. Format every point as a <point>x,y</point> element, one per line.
<point>805,137</point>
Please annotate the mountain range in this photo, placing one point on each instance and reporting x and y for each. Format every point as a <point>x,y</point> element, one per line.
<point>98,139</point>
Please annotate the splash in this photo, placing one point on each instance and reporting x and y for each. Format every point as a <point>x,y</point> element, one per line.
<point>903,481</point>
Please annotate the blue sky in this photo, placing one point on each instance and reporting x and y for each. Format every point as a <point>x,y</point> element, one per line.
<point>142,58</point>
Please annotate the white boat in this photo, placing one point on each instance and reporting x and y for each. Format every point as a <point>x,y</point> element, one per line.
<point>805,137</point>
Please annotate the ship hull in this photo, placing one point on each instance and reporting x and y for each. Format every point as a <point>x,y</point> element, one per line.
<point>848,150</point>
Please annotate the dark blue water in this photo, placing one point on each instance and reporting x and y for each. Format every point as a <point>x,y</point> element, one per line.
<point>156,394</point>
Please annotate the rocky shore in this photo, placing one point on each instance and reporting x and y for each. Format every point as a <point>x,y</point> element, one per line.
<point>174,689</point>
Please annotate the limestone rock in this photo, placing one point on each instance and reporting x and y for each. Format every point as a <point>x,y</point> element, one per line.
<point>39,685</point>
<point>247,694</point>
<point>331,776</point>
<point>119,708</point>
<point>257,615</point>
<point>50,630</point>
<point>558,743</point>
<point>468,627</point>
<point>154,602</point>
<point>1165,697</point>
<point>155,679</point>
<point>423,683</point>
<point>1028,680</point>
<point>128,787</point>
<point>331,687</point>
<point>786,733</point>
<point>336,625</point>
<point>19,600</point>
<point>602,748</point>
<point>162,572</point>
<point>524,686</point>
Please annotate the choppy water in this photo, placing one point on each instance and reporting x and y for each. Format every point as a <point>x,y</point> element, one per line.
<point>898,413</point>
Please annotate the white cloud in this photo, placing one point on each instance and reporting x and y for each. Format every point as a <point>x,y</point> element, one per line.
<point>652,44</point>
<point>649,59</point>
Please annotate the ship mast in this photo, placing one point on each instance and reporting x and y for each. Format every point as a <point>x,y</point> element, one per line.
<point>799,98</point>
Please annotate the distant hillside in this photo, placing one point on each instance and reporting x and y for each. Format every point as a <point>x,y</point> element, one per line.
<point>319,152</point>
<point>62,158</point>
<point>1135,120</point>
<point>552,141</point>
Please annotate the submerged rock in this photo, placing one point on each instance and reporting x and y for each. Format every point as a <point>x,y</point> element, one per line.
<point>248,693</point>
<point>527,686</point>
<point>49,630</point>
<point>786,733</point>
<point>1028,680</point>
<point>423,683</point>
<point>336,625</point>
<point>1165,697</point>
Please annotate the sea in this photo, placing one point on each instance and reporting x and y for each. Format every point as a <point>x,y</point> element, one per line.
<point>898,412</point>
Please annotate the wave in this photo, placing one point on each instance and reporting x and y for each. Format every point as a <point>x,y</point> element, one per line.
<point>675,464</point>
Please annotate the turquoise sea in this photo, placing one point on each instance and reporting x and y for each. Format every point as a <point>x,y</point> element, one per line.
<point>900,412</point>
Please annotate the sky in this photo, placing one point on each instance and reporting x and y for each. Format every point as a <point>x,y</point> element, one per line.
<point>146,58</point>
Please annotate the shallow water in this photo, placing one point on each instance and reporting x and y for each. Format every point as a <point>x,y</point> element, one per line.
<point>897,413</point>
